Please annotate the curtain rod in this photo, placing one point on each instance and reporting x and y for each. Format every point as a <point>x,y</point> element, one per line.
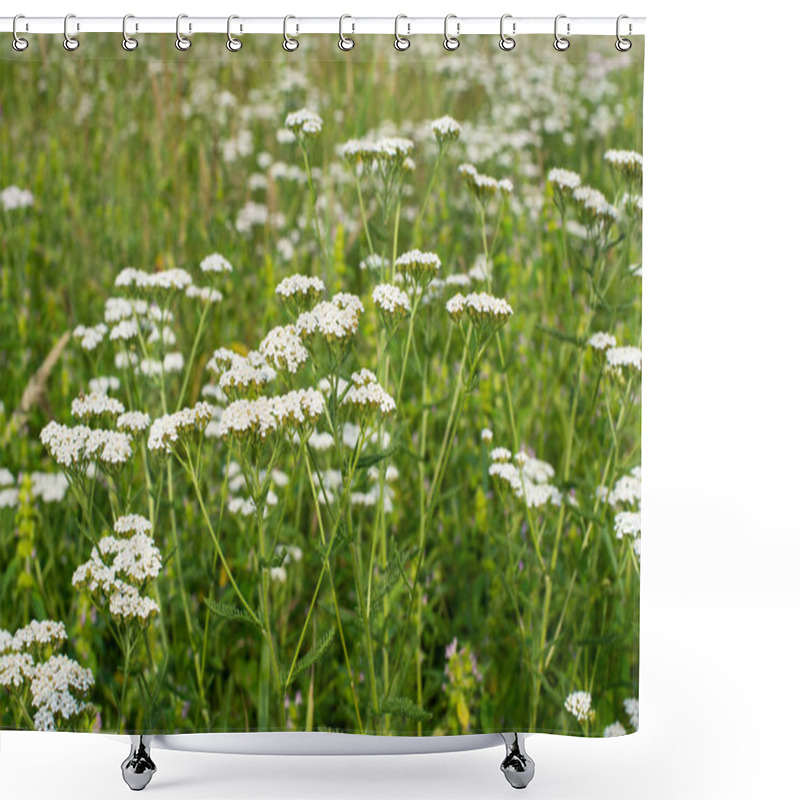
<point>407,26</point>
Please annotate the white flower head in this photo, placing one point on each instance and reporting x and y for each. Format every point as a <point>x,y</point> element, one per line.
<point>579,704</point>
<point>615,729</point>
<point>304,124</point>
<point>391,300</point>
<point>620,360</point>
<point>418,266</point>
<point>336,320</point>
<point>483,309</point>
<point>602,341</point>
<point>216,264</point>
<point>133,422</point>
<point>132,523</point>
<point>628,523</point>
<point>302,289</point>
<point>96,405</point>
<point>90,337</point>
<point>367,395</point>
<point>284,350</point>
<point>594,205</point>
<point>446,130</point>
<point>628,162</point>
<point>12,198</point>
<point>564,180</point>
<point>631,706</point>
<point>168,430</point>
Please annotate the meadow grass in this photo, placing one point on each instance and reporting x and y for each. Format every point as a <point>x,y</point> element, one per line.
<point>402,575</point>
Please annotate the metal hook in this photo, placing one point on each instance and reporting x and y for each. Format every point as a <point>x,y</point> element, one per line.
<point>233,44</point>
<point>345,42</point>
<point>290,43</point>
<point>70,42</point>
<point>401,43</point>
<point>623,45</point>
<point>181,41</point>
<point>18,43</point>
<point>128,42</point>
<point>451,42</point>
<point>560,43</point>
<point>506,42</point>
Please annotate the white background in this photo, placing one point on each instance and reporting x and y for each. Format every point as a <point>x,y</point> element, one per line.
<point>720,709</point>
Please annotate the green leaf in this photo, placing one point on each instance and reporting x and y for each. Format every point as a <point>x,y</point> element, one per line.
<point>394,570</point>
<point>403,707</point>
<point>229,612</point>
<point>343,539</point>
<point>367,461</point>
<point>564,337</point>
<point>312,656</point>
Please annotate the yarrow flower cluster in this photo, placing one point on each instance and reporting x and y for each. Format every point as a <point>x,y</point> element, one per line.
<point>335,320</point>
<point>631,706</point>
<point>120,566</point>
<point>615,729</point>
<point>168,430</point>
<point>215,264</point>
<point>367,395</point>
<point>305,288</point>
<point>627,490</point>
<point>133,422</point>
<point>241,375</point>
<point>483,309</point>
<point>628,523</point>
<point>629,162</point>
<point>284,349</point>
<point>482,186</point>
<point>579,704</point>
<point>161,281</point>
<point>594,206</point>
<point>564,180</point>
<point>90,337</point>
<point>418,266</point>
<point>12,198</point>
<point>56,686</point>
<point>74,448</point>
<point>446,130</point>
<point>620,359</point>
<point>527,477</point>
<point>96,405</point>
<point>391,300</point>
<point>292,412</point>
<point>602,341</point>
<point>388,150</point>
<point>304,124</point>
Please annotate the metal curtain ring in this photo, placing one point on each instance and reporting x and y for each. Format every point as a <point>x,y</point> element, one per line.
<point>451,42</point>
<point>290,43</point>
<point>128,42</point>
<point>507,42</point>
<point>560,43</point>
<point>401,43</point>
<point>623,45</point>
<point>233,44</point>
<point>345,42</point>
<point>181,41</point>
<point>70,42</point>
<point>18,43</point>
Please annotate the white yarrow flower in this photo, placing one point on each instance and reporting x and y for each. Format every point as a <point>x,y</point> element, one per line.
<point>579,704</point>
<point>215,263</point>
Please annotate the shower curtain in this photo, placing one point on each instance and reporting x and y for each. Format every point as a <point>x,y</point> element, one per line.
<point>321,386</point>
